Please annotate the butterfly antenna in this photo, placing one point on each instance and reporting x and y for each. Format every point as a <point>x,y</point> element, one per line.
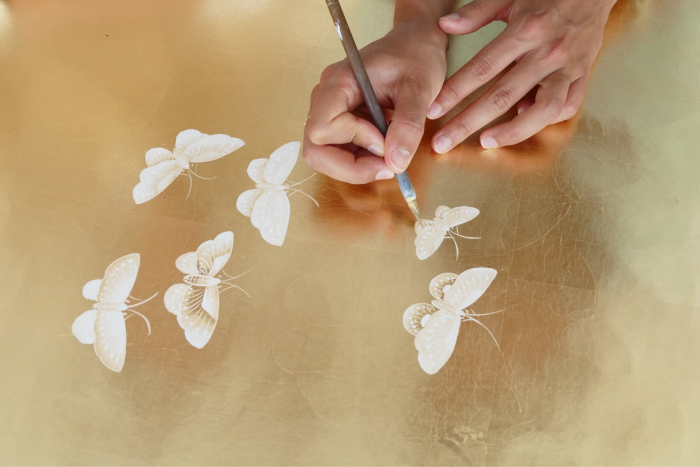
<point>190,189</point>
<point>147,300</point>
<point>148,323</point>
<point>298,183</point>
<point>462,236</point>
<point>455,242</point>
<point>485,314</point>
<point>469,318</point>
<point>299,191</point>
<point>199,176</point>
<point>231,286</point>
<point>231,278</point>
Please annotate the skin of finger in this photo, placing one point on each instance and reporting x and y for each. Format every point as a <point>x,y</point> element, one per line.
<point>358,168</point>
<point>482,68</point>
<point>547,108</point>
<point>475,15</point>
<point>574,99</point>
<point>345,128</point>
<point>330,118</point>
<point>408,121</point>
<point>500,97</point>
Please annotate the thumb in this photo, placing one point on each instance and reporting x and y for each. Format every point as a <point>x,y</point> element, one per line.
<point>406,127</point>
<point>474,16</point>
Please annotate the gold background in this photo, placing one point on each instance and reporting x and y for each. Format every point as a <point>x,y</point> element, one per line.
<point>592,225</point>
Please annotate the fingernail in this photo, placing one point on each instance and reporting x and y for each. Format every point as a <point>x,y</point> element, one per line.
<point>384,174</point>
<point>443,144</point>
<point>451,17</point>
<point>435,110</point>
<point>487,142</point>
<point>376,150</point>
<point>400,158</point>
<point>520,110</point>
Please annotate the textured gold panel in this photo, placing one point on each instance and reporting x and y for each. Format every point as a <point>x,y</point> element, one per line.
<point>592,226</point>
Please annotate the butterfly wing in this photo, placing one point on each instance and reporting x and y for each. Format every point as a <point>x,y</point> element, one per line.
<point>119,279</point>
<point>271,216</point>
<point>428,241</point>
<point>436,341</point>
<point>459,215</point>
<point>187,263</point>
<point>213,255</point>
<point>174,297</point>
<point>413,316</point>
<point>198,324</point>
<point>155,179</point>
<point>84,327</point>
<point>208,148</point>
<point>187,138</point>
<point>255,170</point>
<point>469,286</point>
<point>91,289</point>
<point>157,155</point>
<point>246,201</point>
<point>110,339</point>
<point>281,163</point>
<point>441,284</point>
<point>210,301</point>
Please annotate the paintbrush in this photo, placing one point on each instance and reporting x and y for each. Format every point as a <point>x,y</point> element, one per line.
<point>358,69</point>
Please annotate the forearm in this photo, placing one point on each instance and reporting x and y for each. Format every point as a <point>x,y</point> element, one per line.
<point>423,15</point>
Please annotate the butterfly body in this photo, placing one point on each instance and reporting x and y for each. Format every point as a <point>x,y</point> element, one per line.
<point>443,305</point>
<point>199,280</point>
<point>110,306</point>
<point>181,159</point>
<point>431,233</point>
<point>271,187</point>
<point>436,325</point>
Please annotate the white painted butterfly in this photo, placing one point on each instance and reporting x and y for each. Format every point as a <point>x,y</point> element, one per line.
<point>267,204</point>
<point>196,302</point>
<point>104,325</point>
<point>436,326</point>
<point>191,147</point>
<point>430,234</point>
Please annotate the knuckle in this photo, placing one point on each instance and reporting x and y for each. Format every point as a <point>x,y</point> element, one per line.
<point>502,99</point>
<point>554,50</point>
<point>552,110</point>
<point>318,133</point>
<point>532,27</point>
<point>451,92</point>
<point>330,71</point>
<point>475,8</point>
<point>311,157</point>
<point>465,128</point>
<point>314,92</point>
<point>569,111</point>
<point>413,84</point>
<point>481,68</point>
<point>412,123</point>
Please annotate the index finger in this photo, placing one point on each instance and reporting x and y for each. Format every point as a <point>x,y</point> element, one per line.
<point>481,69</point>
<point>331,120</point>
<point>358,168</point>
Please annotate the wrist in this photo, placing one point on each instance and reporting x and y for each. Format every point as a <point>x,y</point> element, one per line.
<point>425,31</point>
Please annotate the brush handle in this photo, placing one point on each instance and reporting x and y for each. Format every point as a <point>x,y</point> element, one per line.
<point>358,67</point>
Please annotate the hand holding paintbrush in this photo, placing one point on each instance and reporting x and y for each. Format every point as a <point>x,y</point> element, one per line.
<point>344,146</point>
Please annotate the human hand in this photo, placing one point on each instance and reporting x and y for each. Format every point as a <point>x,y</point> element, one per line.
<point>553,44</point>
<point>407,69</point>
